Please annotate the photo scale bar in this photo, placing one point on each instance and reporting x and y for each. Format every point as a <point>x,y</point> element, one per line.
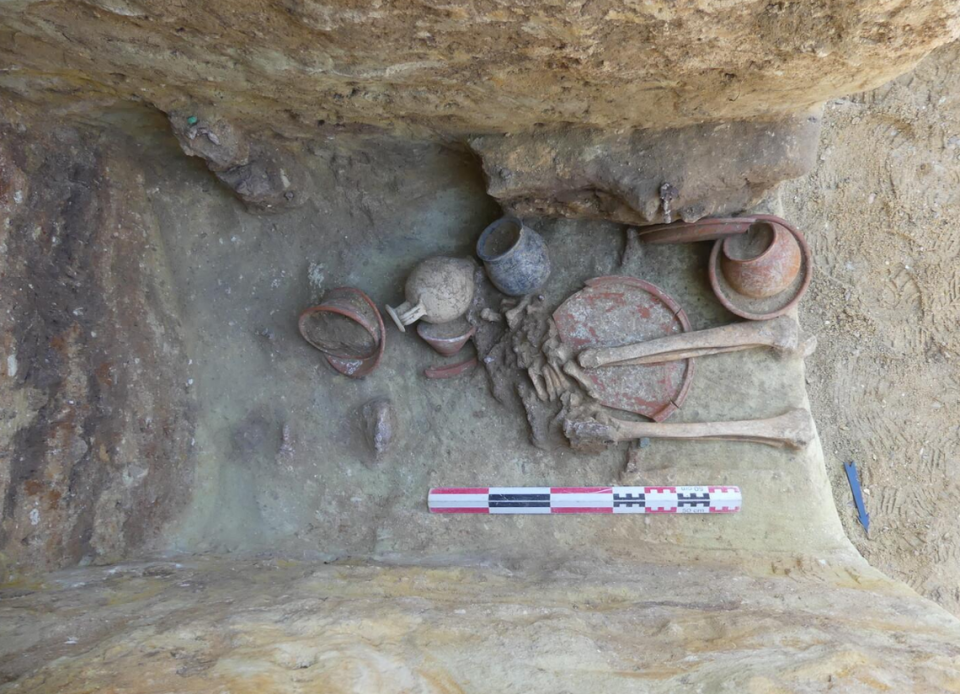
<point>574,500</point>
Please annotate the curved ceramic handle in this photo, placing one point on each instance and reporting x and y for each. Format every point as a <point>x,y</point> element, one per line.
<point>406,313</point>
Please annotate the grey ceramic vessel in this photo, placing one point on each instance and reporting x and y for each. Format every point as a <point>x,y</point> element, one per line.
<point>515,257</point>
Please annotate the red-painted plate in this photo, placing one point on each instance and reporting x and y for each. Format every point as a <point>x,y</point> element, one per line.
<point>615,311</point>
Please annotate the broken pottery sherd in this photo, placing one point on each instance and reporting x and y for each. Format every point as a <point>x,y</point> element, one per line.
<point>435,373</point>
<point>379,425</point>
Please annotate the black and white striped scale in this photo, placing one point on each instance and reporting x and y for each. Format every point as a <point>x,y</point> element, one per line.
<point>543,500</point>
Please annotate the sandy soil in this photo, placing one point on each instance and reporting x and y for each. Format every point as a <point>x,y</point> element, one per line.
<point>881,213</point>
<point>208,625</point>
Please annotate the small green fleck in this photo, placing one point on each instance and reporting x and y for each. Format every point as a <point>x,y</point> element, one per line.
<point>192,120</point>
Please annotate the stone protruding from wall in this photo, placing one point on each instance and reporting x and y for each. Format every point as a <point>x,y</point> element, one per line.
<point>265,178</point>
<point>646,177</point>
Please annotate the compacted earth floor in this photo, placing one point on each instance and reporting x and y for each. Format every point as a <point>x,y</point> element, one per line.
<point>282,462</point>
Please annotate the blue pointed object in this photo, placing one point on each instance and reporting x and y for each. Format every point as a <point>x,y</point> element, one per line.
<point>851,470</point>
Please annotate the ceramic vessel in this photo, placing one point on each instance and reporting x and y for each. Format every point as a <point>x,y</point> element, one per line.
<point>446,338</point>
<point>439,290</point>
<point>347,327</point>
<point>515,257</point>
<point>761,262</point>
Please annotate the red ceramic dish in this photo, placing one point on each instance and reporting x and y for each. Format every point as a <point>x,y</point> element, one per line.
<point>771,307</point>
<point>347,327</point>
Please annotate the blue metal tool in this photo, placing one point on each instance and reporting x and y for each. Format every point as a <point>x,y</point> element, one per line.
<point>851,470</point>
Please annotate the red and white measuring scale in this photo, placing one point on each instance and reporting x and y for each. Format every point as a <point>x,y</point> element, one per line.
<point>695,499</point>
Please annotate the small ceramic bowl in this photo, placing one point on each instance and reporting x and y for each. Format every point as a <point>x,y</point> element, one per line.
<point>761,262</point>
<point>770,307</point>
<point>446,338</point>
